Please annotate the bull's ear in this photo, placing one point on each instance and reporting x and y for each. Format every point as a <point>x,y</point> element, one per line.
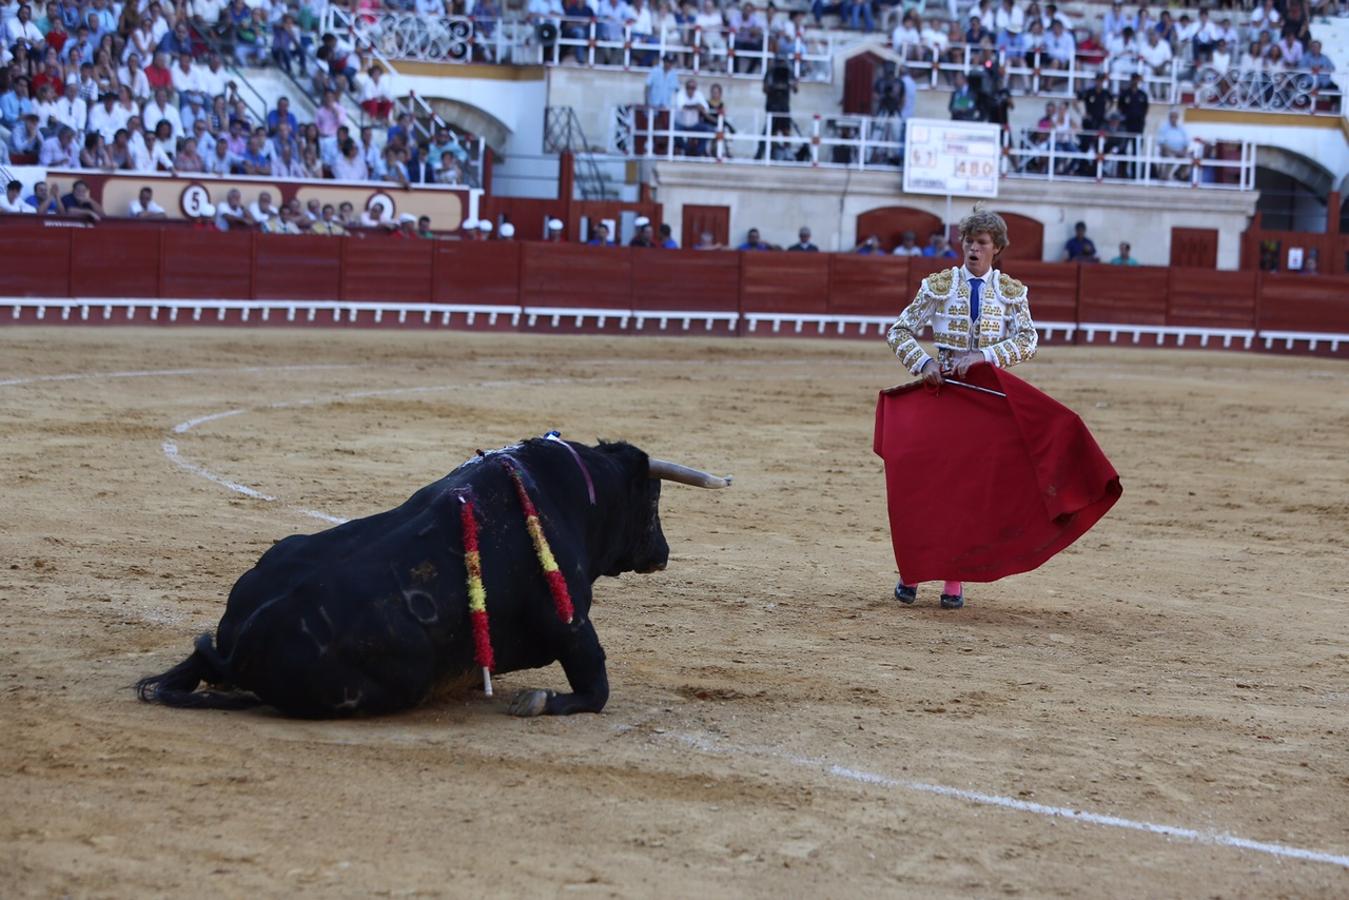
<point>668,471</point>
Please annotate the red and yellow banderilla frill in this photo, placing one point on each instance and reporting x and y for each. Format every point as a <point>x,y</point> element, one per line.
<point>557,584</point>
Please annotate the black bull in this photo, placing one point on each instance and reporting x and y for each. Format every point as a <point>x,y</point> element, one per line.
<point>369,616</point>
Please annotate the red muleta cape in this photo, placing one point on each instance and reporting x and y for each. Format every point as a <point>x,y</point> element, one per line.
<point>980,487</point>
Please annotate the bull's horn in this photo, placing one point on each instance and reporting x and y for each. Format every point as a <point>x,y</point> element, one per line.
<point>668,471</point>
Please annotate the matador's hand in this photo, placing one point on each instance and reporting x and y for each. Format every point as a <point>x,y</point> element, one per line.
<point>965,360</point>
<point>931,373</point>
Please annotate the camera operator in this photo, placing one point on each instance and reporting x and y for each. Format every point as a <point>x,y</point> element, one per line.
<point>890,96</point>
<point>778,86</point>
<point>889,92</point>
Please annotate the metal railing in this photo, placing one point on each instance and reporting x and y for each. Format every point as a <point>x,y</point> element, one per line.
<point>1299,91</point>
<point>1127,159</point>
<point>589,42</point>
<point>1308,91</point>
<point>866,143</point>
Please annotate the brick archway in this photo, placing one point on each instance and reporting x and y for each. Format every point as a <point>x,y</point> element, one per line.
<point>1026,236</point>
<point>890,222</point>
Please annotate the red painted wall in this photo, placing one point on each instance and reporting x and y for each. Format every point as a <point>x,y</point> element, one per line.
<point>119,260</point>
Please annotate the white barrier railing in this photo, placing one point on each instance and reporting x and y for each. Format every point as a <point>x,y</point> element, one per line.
<point>877,142</point>
<point>590,42</point>
<point>1123,159</point>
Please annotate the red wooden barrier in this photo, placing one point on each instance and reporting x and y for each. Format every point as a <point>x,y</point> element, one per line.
<point>480,273</point>
<point>574,275</point>
<point>296,267</point>
<point>122,263</point>
<point>386,268</point>
<point>1203,298</point>
<point>211,265</point>
<point>919,268</point>
<point>37,262</point>
<point>1304,303</point>
<point>686,280</point>
<point>784,282</point>
<point>1135,295</point>
<point>784,293</point>
<point>868,285</point>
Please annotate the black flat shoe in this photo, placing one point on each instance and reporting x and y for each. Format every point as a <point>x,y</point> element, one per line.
<point>952,601</point>
<point>906,593</point>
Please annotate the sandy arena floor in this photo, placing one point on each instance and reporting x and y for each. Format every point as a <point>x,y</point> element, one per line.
<point>778,726</point>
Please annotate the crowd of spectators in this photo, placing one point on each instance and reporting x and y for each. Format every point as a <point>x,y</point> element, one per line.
<point>142,87</point>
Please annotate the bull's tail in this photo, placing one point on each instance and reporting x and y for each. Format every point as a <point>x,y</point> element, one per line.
<point>178,686</point>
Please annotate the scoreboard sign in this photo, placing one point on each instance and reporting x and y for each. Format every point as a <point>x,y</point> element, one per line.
<point>958,159</point>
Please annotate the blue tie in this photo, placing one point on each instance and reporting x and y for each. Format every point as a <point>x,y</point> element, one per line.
<point>976,285</point>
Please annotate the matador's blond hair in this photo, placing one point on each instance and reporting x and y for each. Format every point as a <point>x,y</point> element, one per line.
<point>983,220</point>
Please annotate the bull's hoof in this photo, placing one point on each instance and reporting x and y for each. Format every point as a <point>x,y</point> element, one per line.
<point>528,704</point>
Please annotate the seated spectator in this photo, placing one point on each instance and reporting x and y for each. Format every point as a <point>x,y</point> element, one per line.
<point>710,28</point>
<point>328,223</point>
<point>94,155</point>
<point>690,110</point>
<point>186,84</point>
<point>645,236</point>
<point>119,151</point>
<point>1320,64</point>
<point>1155,54</point>
<point>1265,17</point>
<point>231,215</point>
<point>1221,57</point>
<point>1009,21</point>
<point>707,242</point>
<point>158,74</point>
<point>1174,141</point>
<point>376,95</point>
<point>188,159</point>
<point>599,235</point>
<point>79,204</point>
<point>261,211</point>
<point>107,117</point>
<point>346,214</point>
<point>1124,259</point>
<point>221,161</point>
<point>22,31</point>
<point>60,151</point>
<point>1060,46</point>
<point>666,240</point>
<point>282,114</point>
<point>161,110</point>
<point>70,110</point>
<point>15,103</point>
<point>145,207</point>
<point>425,233</point>
<point>313,166</point>
<point>907,37</point>
<point>255,160</point>
<point>908,245</point>
<point>177,42</point>
<point>1080,247</point>
<point>938,248</point>
<point>555,228</point>
<point>12,201</point>
<point>753,242</point>
<point>870,247</point>
<point>803,244</point>
<point>286,164</point>
<point>26,139</point>
<point>1290,48</point>
<point>350,164</point>
<point>44,201</point>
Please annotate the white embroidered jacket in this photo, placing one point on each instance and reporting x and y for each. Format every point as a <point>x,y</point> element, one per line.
<point>1006,333</point>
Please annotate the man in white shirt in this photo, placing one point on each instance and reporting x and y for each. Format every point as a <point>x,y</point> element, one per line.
<point>150,155</point>
<point>207,12</point>
<point>45,107</point>
<point>1290,48</point>
<point>159,109</point>
<point>689,108</point>
<point>1010,19</point>
<point>231,215</point>
<point>1122,53</point>
<point>22,30</point>
<point>12,201</point>
<point>1173,141</point>
<point>1060,46</point>
<point>107,117</point>
<point>261,210</point>
<point>186,84</point>
<point>934,39</point>
<point>60,151</point>
<point>70,109</point>
<point>1156,55</point>
<point>145,207</point>
<point>211,80</point>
